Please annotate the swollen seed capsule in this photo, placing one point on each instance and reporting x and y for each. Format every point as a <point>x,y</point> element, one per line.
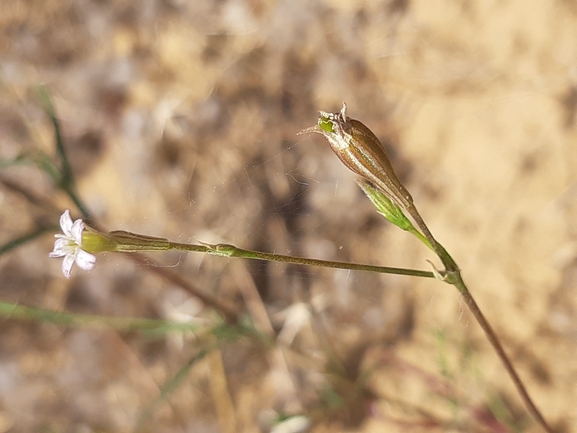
<point>362,152</point>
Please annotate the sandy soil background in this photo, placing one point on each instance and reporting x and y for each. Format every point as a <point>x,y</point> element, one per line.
<point>181,118</point>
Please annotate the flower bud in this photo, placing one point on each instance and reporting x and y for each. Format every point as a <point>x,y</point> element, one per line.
<point>362,152</point>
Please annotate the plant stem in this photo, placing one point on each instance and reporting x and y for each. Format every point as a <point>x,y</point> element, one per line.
<point>494,340</point>
<point>437,248</point>
<point>227,250</point>
<point>452,275</point>
<point>128,242</point>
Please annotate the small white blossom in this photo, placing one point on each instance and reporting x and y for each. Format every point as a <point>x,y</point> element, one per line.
<point>69,245</point>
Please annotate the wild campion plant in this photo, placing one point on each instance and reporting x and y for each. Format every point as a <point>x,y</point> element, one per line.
<point>362,152</point>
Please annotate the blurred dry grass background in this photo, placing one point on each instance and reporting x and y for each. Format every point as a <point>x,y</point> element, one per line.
<point>181,121</point>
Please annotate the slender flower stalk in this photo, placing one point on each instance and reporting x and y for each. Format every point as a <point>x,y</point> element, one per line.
<point>361,151</point>
<point>86,240</point>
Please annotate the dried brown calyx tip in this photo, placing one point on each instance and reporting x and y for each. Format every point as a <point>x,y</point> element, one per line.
<point>362,152</point>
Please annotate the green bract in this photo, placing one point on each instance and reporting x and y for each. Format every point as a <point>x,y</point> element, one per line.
<point>385,206</point>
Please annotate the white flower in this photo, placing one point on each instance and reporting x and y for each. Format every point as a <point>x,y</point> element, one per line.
<point>69,245</point>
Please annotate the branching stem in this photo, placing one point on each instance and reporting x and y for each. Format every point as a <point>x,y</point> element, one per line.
<point>452,275</point>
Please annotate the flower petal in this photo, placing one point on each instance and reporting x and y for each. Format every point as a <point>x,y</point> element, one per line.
<point>67,263</point>
<point>66,223</point>
<point>85,260</point>
<point>60,248</point>
<point>76,231</point>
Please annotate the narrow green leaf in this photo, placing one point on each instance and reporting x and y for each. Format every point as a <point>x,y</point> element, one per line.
<point>15,243</point>
<point>66,182</point>
<point>20,312</point>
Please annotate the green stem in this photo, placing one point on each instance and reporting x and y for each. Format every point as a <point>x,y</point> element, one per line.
<point>227,250</point>
<point>494,340</point>
<point>452,275</point>
<point>131,242</point>
<point>422,238</point>
<point>432,243</point>
<point>67,181</point>
<point>67,177</point>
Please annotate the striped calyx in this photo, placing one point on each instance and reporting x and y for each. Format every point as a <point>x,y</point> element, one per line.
<point>362,152</point>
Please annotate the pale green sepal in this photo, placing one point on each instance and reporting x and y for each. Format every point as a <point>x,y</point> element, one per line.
<point>385,206</point>
<point>390,210</point>
<point>94,241</point>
